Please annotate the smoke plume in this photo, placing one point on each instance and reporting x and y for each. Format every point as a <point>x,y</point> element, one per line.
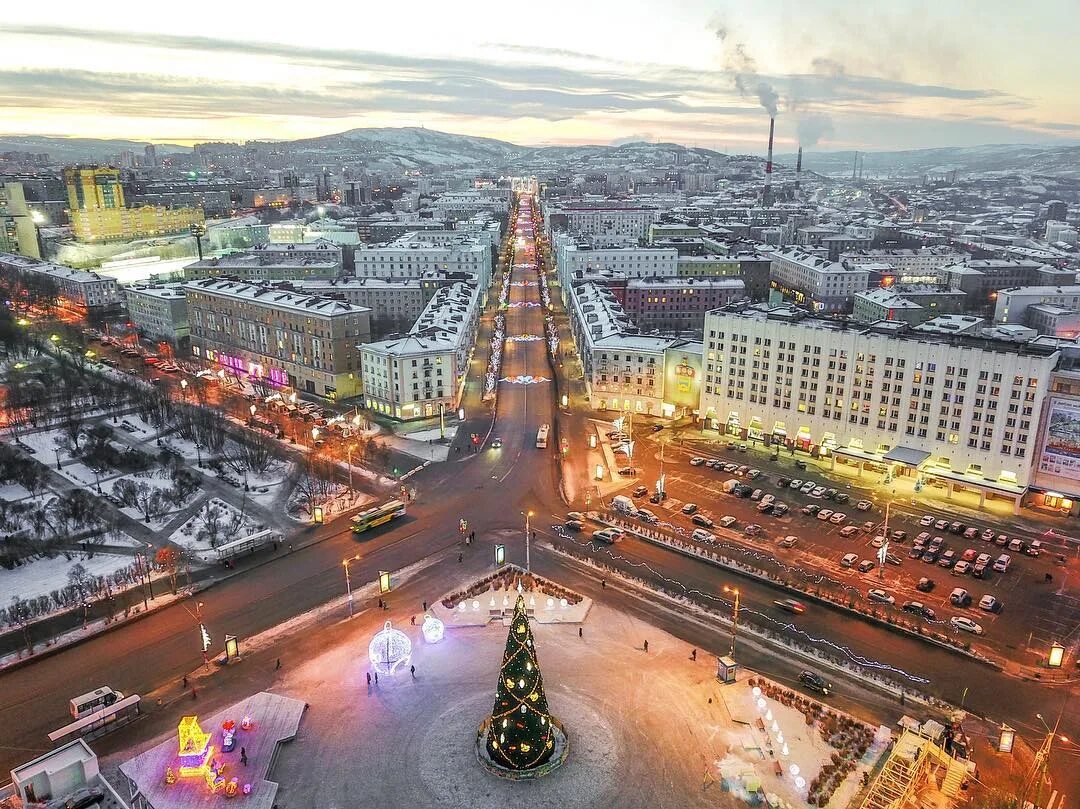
<point>744,72</point>
<point>812,127</point>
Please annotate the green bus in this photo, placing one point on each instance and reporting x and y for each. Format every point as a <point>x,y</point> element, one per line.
<point>378,515</point>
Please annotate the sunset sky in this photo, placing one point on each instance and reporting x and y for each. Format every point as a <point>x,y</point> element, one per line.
<point>843,73</point>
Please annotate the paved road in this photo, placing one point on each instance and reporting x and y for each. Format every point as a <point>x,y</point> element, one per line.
<point>490,489</point>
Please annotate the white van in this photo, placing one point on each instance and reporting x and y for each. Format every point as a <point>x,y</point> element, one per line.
<point>624,504</point>
<point>97,700</point>
<point>1001,564</point>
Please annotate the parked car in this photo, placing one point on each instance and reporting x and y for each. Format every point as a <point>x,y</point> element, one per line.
<point>960,597</point>
<point>842,497</point>
<point>689,508</point>
<point>795,483</point>
<point>647,516</point>
<point>780,509</point>
<point>727,521</point>
<point>941,525</point>
<point>756,494</point>
<point>849,531</point>
<point>628,472</point>
<point>788,542</point>
<point>966,624</point>
<point>815,682</point>
<point>819,491</point>
<point>1034,549</point>
<point>808,487</point>
<point>961,568</point>
<point>979,571</point>
<point>971,533</point>
<point>839,518</point>
<point>930,557</point>
<point>880,596</point>
<point>990,604</point>
<point>1001,564</point>
<point>968,555</point>
<point>575,515</point>
<point>790,605</point>
<point>800,464</point>
<point>830,494</point>
<point>877,541</point>
<point>948,559</point>
<point>922,538</point>
<point>849,560</point>
<point>811,509</point>
<point>753,474</point>
<point>866,565</point>
<point>957,527</point>
<point>868,526</point>
<point>696,461</point>
<point>916,551</point>
<point>640,491</point>
<point>701,535</point>
<point>824,514</point>
<point>752,530</point>
<point>783,482</point>
<point>1002,540</point>
<point>988,534</point>
<point>864,505</point>
<point>608,535</point>
<point>918,608</point>
<point>925,585</point>
<point>898,536</point>
<point>574,525</point>
<point>936,543</point>
<point>765,507</point>
<point>927,520</point>
<point>702,520</point>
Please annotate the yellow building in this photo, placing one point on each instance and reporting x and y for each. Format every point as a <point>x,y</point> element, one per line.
<point>98,213</point>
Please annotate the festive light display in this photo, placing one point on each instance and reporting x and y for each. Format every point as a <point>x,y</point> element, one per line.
<point>524,379</point>
<point>389,648</point>
<point>193,748</point>
<point>520,736</point>
<point>432,629</point>
<point>524,338</point>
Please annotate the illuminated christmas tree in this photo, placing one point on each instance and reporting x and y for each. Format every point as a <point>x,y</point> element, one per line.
<point>520,736</point>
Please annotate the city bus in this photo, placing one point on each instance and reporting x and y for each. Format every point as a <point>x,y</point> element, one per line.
<point>542,436</point>
<point>377,516</point>
<point>96,700</point>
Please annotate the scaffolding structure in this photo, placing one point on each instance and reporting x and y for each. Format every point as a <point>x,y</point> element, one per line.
<point>911,762</point>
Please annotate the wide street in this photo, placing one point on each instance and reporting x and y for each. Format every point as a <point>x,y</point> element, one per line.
<point>491,489</point>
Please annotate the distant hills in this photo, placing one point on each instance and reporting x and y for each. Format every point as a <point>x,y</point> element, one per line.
<point>410,148</point>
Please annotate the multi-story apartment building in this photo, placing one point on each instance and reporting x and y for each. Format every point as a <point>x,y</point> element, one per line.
<point>959,410</point>
<point>408,258</point>
<point>678,304</point>
<point>422,373</point>
<point>85,292</point>
<point>272,262</point>
<point>462,205</point>
<point>911,303</point>
<point>18,234</point>
<point>159,312</point>
<point>816,282</point>
<point>574,255</point>
<point>280,336</point>
<point>920,266</point>
<point>1011,305</point>
<point>627,371</point>
<point>982,279</point>
<point>605,222</point>
<point>98,213</point>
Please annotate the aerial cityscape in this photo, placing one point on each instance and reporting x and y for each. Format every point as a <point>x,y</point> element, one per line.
<point>594,405</point>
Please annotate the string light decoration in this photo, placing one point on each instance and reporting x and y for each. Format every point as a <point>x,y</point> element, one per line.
<point>520,736</point>
<point>389,648</point>
<point>432,629</point>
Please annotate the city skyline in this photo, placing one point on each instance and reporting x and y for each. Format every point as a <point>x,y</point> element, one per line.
<point>703,74</point>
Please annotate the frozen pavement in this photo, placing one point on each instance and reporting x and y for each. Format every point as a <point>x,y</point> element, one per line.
<point>644,728</point>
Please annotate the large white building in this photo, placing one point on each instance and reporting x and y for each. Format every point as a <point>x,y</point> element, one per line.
<point>414,376</point>
<point>412,257</point>
<point>574,255</point>
<point>82,290</point>
<point>816,282</point>
<point>1011,305</point>
<point>606,222</point>
<point>912,266</point>
<point>159,311</point>
<point>272,262</point>
<point>962,410</point>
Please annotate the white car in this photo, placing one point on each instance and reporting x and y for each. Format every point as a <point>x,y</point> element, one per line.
<point>697,461</point>
<point>880,596</point>
<point>877,541</point>
<point>788,542</point>
<point>701,535</point>
<point>796,484</point>
<point>864,505</point>
<point>819,491</point>
<point>927,521</point>
<point>808,487</point>
<point>824,514</point>
<point>727,521</point>
<point>849,531</point>
<point>966,624</point>
<point>839,518</point>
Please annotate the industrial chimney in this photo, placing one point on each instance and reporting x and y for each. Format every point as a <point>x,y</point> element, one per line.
<point>766,196</point>
<point>798,171</point>
<point>855,167</point>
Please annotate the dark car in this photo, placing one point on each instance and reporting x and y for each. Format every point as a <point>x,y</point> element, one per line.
<point>814,682</point>
<point>574,525</point>
<point>925,585</point>
<point>841,497</point>
<point>918,608</point>
<point>640,491</point>
<point>702,520</point>
<point>657,428</point>
<point>628,471</point>
<point>800,464</point>
<point>783,482</point>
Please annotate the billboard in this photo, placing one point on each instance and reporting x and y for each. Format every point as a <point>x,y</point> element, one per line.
<point>1059,459</point>
<point>682,378</point>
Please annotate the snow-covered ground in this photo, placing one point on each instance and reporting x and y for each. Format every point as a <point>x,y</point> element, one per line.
<point>42,576</point>
<point>13,492</point>
<point>197,532</point>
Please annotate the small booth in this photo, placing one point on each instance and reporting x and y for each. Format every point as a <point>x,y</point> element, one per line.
<point>726,668</point>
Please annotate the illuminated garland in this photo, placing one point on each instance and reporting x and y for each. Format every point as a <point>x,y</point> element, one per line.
<point>520,735</point>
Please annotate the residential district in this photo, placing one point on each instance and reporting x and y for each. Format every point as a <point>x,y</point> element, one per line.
<point>774,471</point>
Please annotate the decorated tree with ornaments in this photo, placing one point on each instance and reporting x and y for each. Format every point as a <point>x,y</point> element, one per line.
<point>520,736</point>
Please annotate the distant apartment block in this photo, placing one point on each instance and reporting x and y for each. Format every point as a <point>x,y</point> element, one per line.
<point>815,282</point>
<point>272,262</point>
<point>678,305</point>
<point>910,303</point>
<point>278,336</point>
<point>605,222</point>
<point>85,291</point>
<point>918,266</point>
<point>578,255</point>
<point>18,233</point>
<point>411,257</point>
<point>981,279</point>
<point>1052,310</point>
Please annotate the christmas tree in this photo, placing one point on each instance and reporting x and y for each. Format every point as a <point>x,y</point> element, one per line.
<point>520,736</point>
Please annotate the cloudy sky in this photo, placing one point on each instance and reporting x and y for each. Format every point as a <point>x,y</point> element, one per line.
<point>839,73</point>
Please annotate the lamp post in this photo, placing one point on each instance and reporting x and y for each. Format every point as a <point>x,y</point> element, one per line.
<point>348,454</point>
<point>149,581</point>
<point>442,421</point>
<point>1042,758</point>
<point>183,387</point>
<point>734,616</point>
<point>348,581</point>
<point>528,534</point>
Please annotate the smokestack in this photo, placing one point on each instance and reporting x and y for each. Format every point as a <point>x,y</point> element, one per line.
<point>862,163</point>
<point>798,170</point>
<point>855,167</point>
<point>766,197</point>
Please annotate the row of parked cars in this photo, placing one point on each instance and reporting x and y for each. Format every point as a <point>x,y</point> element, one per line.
<point>932,550</point>
<point>741,470</point>
<point>1016,545</point>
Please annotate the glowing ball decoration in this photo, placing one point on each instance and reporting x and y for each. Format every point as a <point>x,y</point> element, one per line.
<point>389,648</point>
<point>432,629</point>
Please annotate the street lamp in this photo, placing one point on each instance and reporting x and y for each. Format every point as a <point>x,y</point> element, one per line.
<point>528,515</point>
<point>183,387</point>
<point>734,616</point>
<point>348,582</point>
<point>1056,656</point>
<point>252,410</point>
<point>349,451</point>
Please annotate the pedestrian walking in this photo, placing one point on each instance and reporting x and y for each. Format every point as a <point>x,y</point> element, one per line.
<point>376,678</point>
<point>368,679</point>
<point>646,647</point>
<point>185,681</point>
<point>580,632</point>
<point>412,620</point>
<point>278,664</point>
<point>693,655</point>
<point>412,671</point>
<point>603,584</point>
<point>425,606</point>
<point>290,547</point>
<point>460,558</point>
<point>243,756</point>
<point>380,604</point>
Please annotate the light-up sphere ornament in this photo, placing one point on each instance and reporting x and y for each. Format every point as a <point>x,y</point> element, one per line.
<point>432,629</point>
<point>756,692</point>
<point>768,716</point>
<point>794,769</point>
<point>761,704</point>
<point>785,751</point>
<point>800,782</point>
<point>389,648</point>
